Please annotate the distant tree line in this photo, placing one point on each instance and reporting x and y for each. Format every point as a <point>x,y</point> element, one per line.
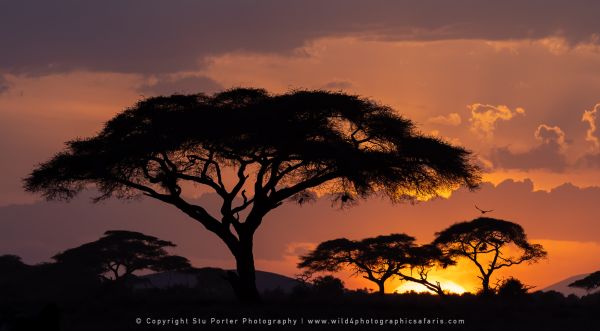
<point>109,261</point>
<point>118,254</point>
<point>115,258</point>
<point>489,243</point>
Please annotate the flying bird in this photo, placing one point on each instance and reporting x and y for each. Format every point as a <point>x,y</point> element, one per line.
<point>483,212</point>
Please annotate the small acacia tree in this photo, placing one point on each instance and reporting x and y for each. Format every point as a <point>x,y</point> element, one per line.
<point>255,150</point>
<point>488,243</point>
<point>118,254</point>
<point>423,259</point>
<point>589,283</point>
<point>376,259</point>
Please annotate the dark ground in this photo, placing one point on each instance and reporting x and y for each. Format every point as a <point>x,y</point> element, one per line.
<point>119,311</point>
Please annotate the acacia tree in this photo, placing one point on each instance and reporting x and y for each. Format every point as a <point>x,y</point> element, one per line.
<point>255,150</point>
<point>589,283</point>
<point>376,259</point>
<point>488,243</point>
<point>423,259</point>
<point>118,254</point>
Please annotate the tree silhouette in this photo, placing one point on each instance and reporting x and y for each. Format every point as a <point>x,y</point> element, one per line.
<point>376,259</point>
<point>512,288</point>
<point>10,263</point>
<point>423,259</point>
<point>590,282</point>
<point>486,242</point>
<point>255,150</point>
<point>11,268</point>
<point>328,286</point>
<point>118,254</point>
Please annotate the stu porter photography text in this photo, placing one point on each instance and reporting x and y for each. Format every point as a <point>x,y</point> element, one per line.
<point>246,321</point>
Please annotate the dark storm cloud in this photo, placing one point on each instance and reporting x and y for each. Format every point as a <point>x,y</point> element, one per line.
<point>545,156</point>
<point>154,36</point>
<point>591,160</point>
<point>548,154</point>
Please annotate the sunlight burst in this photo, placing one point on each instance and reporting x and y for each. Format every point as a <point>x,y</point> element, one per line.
<point>447,286</point>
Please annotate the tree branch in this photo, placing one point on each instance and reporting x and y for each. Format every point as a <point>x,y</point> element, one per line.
<point>287,192</point>
<point>196,212</point>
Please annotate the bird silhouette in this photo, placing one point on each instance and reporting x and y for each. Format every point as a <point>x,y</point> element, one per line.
<point>483,212</point>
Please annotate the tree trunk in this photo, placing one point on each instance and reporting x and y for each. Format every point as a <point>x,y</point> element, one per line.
<point>441,293</point>
<point>438,289</point>
<point>243,280</point>
<point>485,286</point>
<point>381,285</point>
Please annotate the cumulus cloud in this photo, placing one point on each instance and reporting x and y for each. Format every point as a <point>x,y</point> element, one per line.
<point>484,163</point>
<point>484,117</point>
<point>452,119</point>
<point>548,154</point>
<point>590,116</point>
<point>592,158</point>
<point>550,135</point>
<point>555,45</point>
<point>167,85</point>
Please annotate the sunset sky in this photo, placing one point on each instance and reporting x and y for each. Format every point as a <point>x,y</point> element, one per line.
<point>516,82</point>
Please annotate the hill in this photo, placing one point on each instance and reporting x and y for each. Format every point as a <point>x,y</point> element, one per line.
<point>563,287</point>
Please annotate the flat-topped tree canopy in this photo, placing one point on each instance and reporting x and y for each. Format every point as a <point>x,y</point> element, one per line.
<point>489,233</point>
<point>120,253</point>
<point>377,259</point>
<point>313,135</point>
<point>486,241</point>
<point>255,150</point>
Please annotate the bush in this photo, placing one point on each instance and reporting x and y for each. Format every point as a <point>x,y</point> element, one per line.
<point>328,286</point>
<point>512,288</point>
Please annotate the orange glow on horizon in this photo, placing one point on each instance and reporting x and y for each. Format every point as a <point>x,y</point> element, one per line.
<point>447,285</point>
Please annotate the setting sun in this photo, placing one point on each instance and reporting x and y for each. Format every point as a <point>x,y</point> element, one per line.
<point>447,285</point>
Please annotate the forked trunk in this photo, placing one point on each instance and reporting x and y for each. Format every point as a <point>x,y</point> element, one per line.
<point>437,288</point>
<point>486,291</point>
